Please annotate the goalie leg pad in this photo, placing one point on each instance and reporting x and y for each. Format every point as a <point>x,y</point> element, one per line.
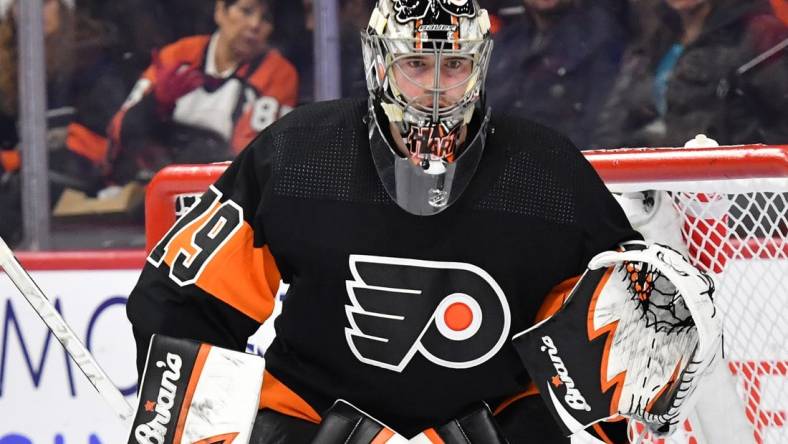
<point>272,427</point>
<point>343,423</point>
<point>475,427</point>
<point>194,392</point>
<point>633,338</point>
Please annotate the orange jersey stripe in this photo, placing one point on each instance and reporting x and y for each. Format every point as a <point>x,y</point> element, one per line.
<point>781,9</point>
<point>10,159</point>
<point>188,50</point>
<point>87,143</point>
<point>276,77</point>
<point>278,397</point>
<point>237,276</point>
<point>556,298</point>
<point>242,276</point>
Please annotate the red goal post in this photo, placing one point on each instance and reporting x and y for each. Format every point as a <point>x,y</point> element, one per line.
<point>731,208</point>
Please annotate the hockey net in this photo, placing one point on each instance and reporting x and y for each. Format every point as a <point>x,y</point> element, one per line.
<point>728,214</point>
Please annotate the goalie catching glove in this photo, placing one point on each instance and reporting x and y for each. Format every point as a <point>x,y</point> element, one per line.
<point>633,339</point>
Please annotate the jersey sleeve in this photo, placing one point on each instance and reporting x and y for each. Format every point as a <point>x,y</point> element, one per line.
<point>599,217</point>
<point>212,277</point>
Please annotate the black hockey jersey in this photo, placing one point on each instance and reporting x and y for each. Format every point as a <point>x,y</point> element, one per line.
<point>409,318</point>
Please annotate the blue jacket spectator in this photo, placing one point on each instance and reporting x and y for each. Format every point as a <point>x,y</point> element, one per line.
<point>556,65</point>
<point>698,71</point>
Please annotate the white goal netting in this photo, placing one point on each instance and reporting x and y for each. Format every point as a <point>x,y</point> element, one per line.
<point>737,229</point>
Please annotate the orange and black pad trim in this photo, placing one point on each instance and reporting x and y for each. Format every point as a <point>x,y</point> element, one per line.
<point>565,359</point>
<point>164,388</point>
<point>278,397</point>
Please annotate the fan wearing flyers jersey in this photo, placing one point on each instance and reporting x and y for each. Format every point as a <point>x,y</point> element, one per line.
<point>420,233</point>
<point>205,97</point>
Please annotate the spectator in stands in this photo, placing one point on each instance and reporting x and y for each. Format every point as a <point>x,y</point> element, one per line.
<point>203,98</point>
<point>698,71</point>
<point>557,64</point>
<point>83,91</point>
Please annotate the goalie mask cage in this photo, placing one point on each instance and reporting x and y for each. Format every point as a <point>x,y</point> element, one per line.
<point>729,211</point>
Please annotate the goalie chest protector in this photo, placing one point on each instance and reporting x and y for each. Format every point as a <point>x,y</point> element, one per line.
<point>407,317</point>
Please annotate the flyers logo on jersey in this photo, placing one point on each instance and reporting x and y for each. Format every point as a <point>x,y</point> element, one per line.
<point>454,314</point>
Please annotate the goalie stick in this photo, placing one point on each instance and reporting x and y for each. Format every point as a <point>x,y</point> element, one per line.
<point>74,347</point>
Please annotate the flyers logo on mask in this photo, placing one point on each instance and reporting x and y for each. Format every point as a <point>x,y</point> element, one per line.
<point>409,10</point>
<point>453,314</point>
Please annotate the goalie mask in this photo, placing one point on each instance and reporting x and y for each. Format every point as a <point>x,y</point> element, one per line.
<point>425,64</point>
<point>634,338</point>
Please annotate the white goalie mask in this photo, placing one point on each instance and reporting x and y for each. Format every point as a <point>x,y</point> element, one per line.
<point>425,64</point>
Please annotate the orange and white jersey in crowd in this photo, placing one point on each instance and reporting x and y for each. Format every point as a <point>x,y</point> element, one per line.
<point>236,104</point>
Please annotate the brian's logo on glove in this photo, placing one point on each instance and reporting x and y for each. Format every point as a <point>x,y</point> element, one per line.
<point>453,314</point>
<point>573,397</point>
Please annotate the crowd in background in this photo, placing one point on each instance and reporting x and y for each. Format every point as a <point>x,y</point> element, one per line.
<point>135,85</point>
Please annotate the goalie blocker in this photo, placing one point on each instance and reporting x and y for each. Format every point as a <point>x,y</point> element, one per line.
<point>193,392</point>
<point>633,339</point>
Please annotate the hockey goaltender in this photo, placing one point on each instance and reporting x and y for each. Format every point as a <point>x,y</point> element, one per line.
<point>454,275</point>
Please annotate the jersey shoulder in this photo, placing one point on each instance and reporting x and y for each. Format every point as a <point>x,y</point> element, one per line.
<point>273,64</point>
<point>517,134</point>
<point>349,113</point>
<point>535,171</point>
<point>321,151</point>
<point>186,50</point>
<point>314,126</point>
